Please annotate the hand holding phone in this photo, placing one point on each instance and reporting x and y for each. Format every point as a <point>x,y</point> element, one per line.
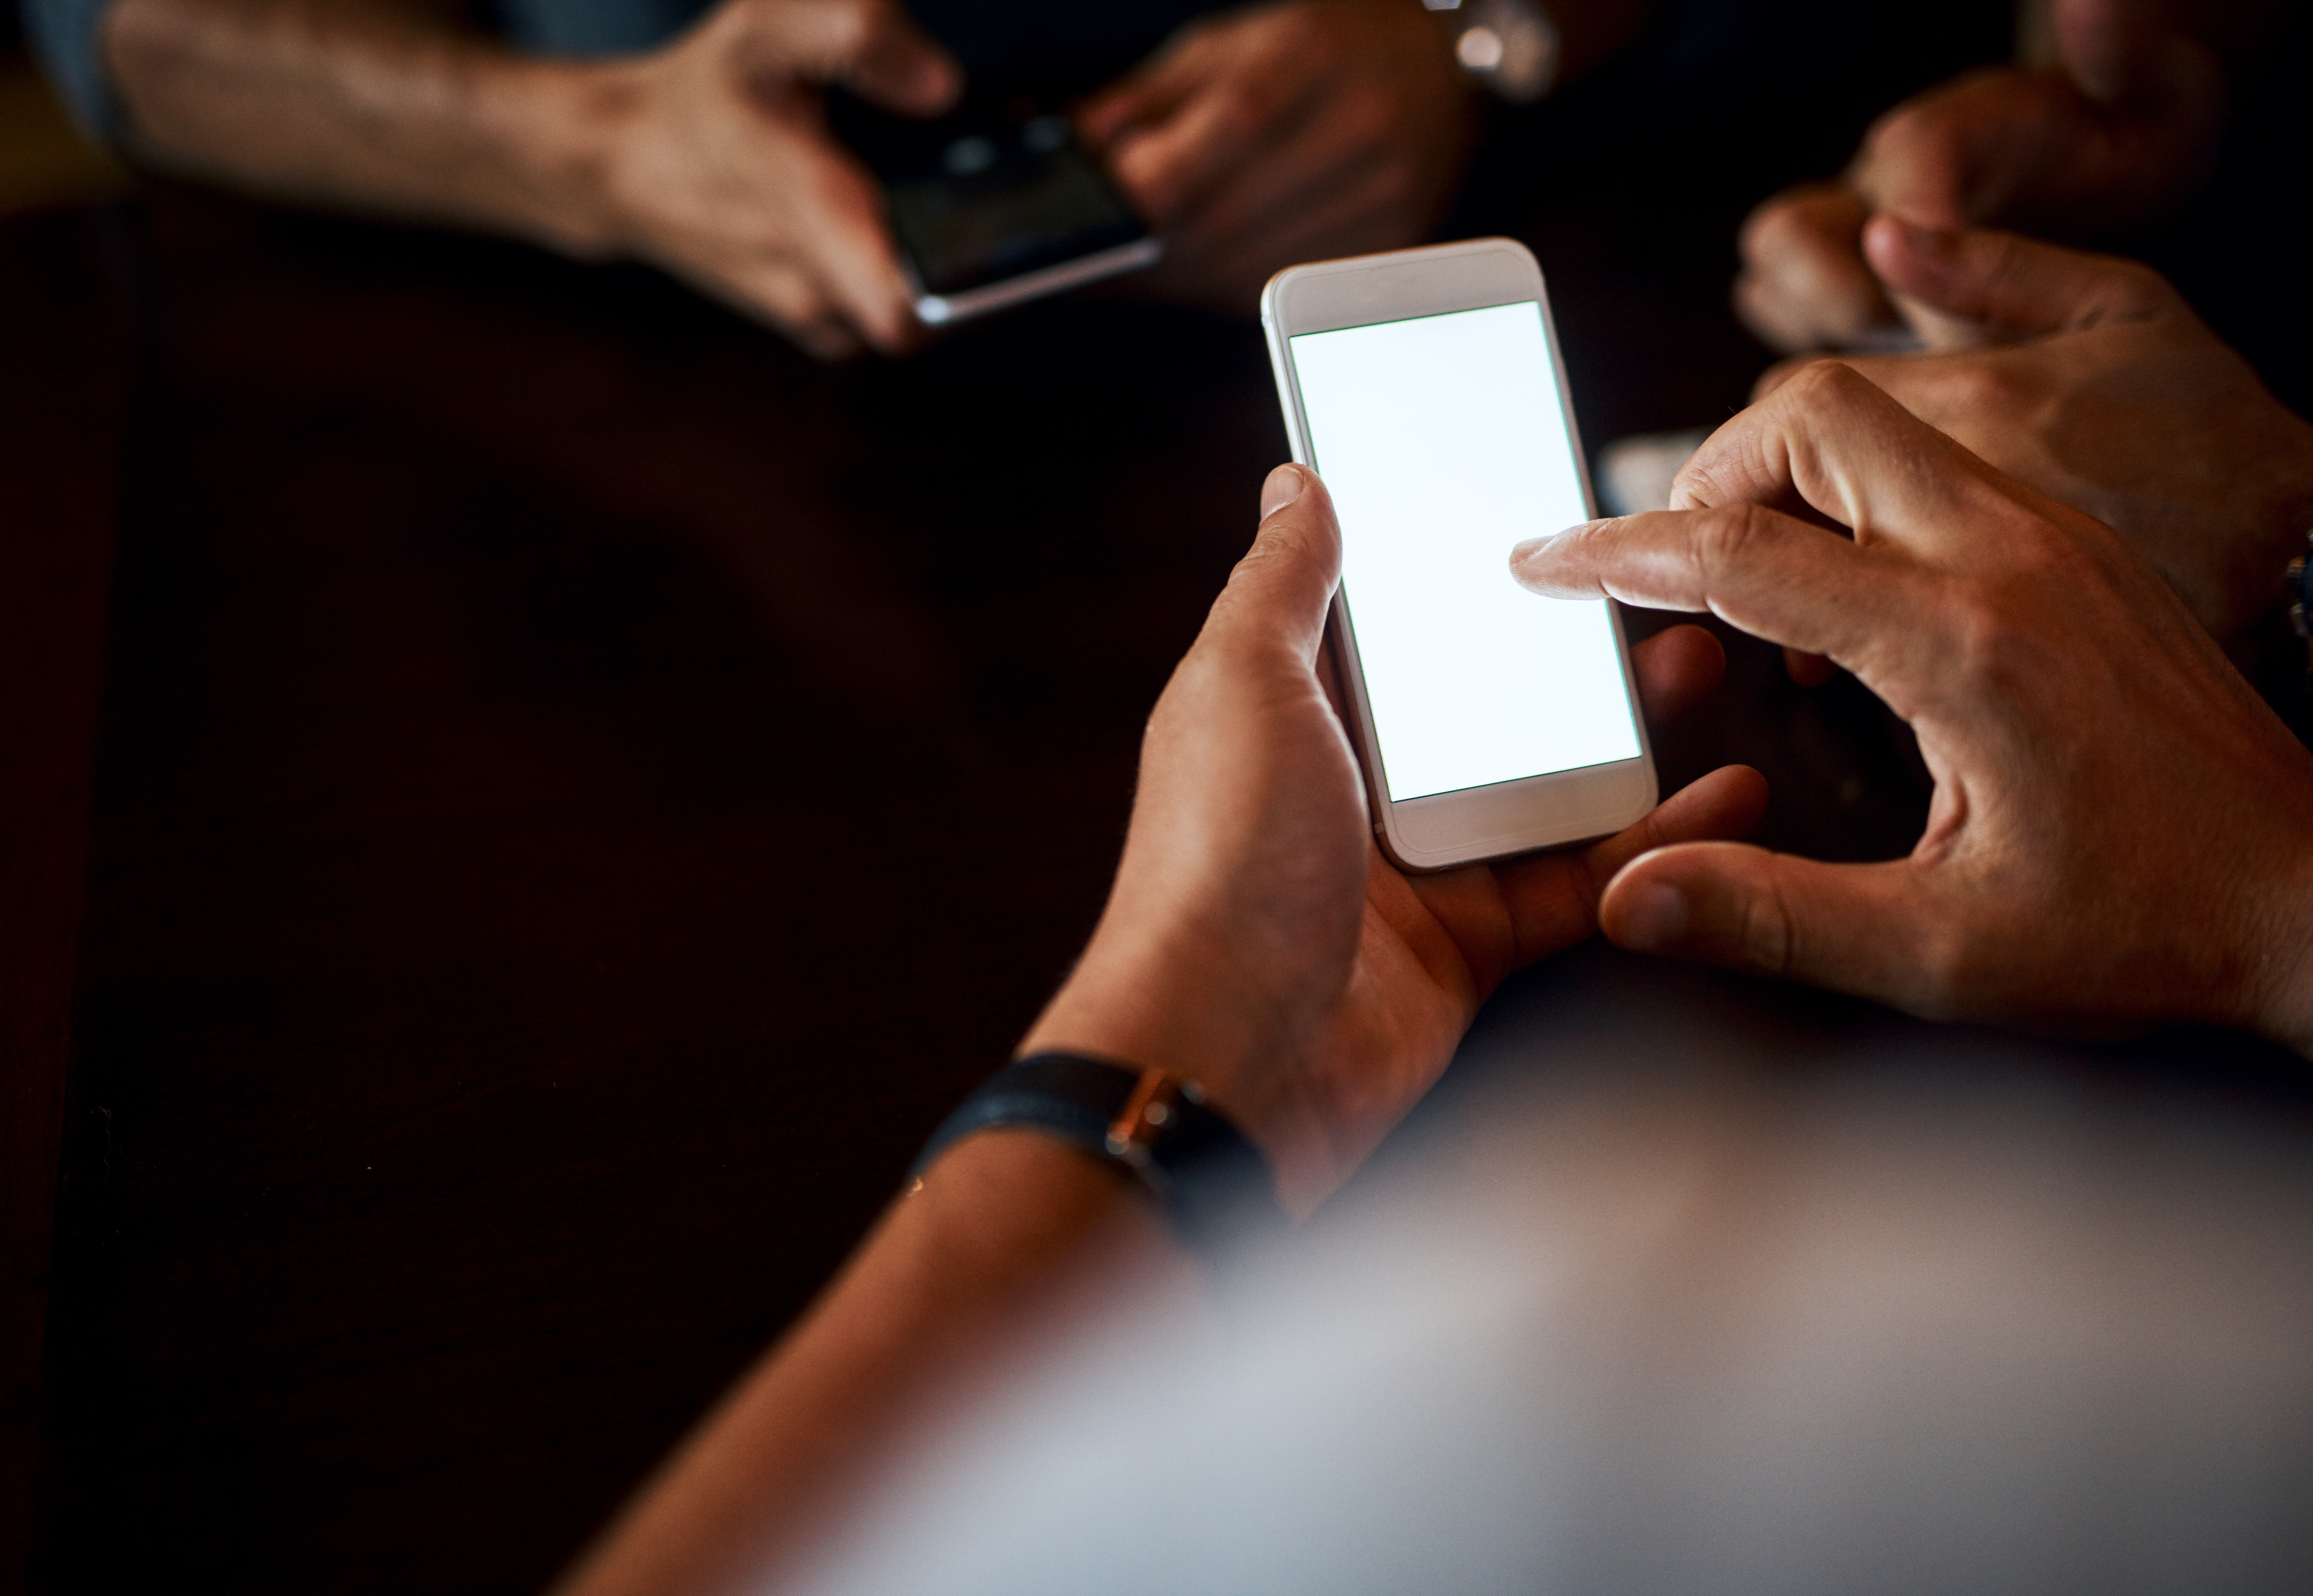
<point>1254,944</point>
<point>994,204</point>
<point>1424,387</point>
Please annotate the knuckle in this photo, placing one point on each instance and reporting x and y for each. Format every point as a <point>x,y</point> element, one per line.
<point>1827,383</point>
<point>1827,389</point>
<point>1779,373</point>
<point>1767,937</point>
<point>1727,536</point>
<point>1697,482</point>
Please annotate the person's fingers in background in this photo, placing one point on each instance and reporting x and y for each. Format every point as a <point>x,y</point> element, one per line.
<point>2115,131</point>
<point>2121,833</point>
<point>1999,287</point>
<point>1804,284</point>
<point>1286,132</point>
<point>2088,378</point>
<point>1173,128</point>
<point>2112,132</point>
<point>716,165</point>
<point>874,51</point>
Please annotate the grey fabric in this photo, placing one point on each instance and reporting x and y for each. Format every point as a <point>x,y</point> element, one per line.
<point>1879,1310</point>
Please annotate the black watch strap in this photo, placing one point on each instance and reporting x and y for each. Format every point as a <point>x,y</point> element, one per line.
<point>1211,1183</point>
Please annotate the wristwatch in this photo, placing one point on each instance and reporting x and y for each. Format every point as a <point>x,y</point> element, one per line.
<point>1154,1128</point>
<point>1510,46</point>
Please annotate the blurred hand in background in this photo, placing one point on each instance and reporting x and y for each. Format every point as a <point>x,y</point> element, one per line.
<point>1286,132</point>
<point>2114,131</point>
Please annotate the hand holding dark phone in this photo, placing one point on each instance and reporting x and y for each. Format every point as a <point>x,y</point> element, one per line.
<point>994,204</point>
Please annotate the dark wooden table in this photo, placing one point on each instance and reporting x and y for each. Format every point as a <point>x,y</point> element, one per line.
<point>577,791</point>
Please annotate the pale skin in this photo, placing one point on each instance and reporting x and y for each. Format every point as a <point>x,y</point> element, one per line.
<point>1255,139</point>
<point>2121,832</point>
<point>1254,942</point>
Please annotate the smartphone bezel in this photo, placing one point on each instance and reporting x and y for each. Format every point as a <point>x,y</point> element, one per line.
<point>1446,829</point>
<point>940,310</point>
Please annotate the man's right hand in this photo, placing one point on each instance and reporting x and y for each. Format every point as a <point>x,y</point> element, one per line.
<point>711,158</point>
<point>2118,130</point>
<point>2121,832</point>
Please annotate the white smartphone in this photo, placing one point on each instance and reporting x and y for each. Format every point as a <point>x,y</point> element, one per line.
<point>1424,387</point>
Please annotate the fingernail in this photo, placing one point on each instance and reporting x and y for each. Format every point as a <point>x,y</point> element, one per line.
<point>1655,917</point>
<point>1283,487</point>
<point>1520,553</point>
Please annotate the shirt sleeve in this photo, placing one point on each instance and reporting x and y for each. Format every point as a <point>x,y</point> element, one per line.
<point>67,36</point>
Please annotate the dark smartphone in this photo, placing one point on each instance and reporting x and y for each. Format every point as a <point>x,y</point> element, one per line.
<point>994,204</point>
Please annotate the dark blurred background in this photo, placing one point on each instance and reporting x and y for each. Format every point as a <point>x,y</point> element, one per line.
<point>530,797</point>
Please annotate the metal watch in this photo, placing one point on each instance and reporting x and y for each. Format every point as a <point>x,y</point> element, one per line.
<point>1510,46</point>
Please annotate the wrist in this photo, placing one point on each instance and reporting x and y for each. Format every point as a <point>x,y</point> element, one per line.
<point>1174,1009</point>
<point>557,125</point>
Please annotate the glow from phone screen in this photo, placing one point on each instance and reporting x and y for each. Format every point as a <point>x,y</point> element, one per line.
<point>1443,441</point>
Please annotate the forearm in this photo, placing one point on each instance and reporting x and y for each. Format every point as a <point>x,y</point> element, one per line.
<point>365,104</point>
<point>1011,1236</point>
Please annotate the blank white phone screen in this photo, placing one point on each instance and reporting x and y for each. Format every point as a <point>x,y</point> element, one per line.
<point>1443,441</point>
